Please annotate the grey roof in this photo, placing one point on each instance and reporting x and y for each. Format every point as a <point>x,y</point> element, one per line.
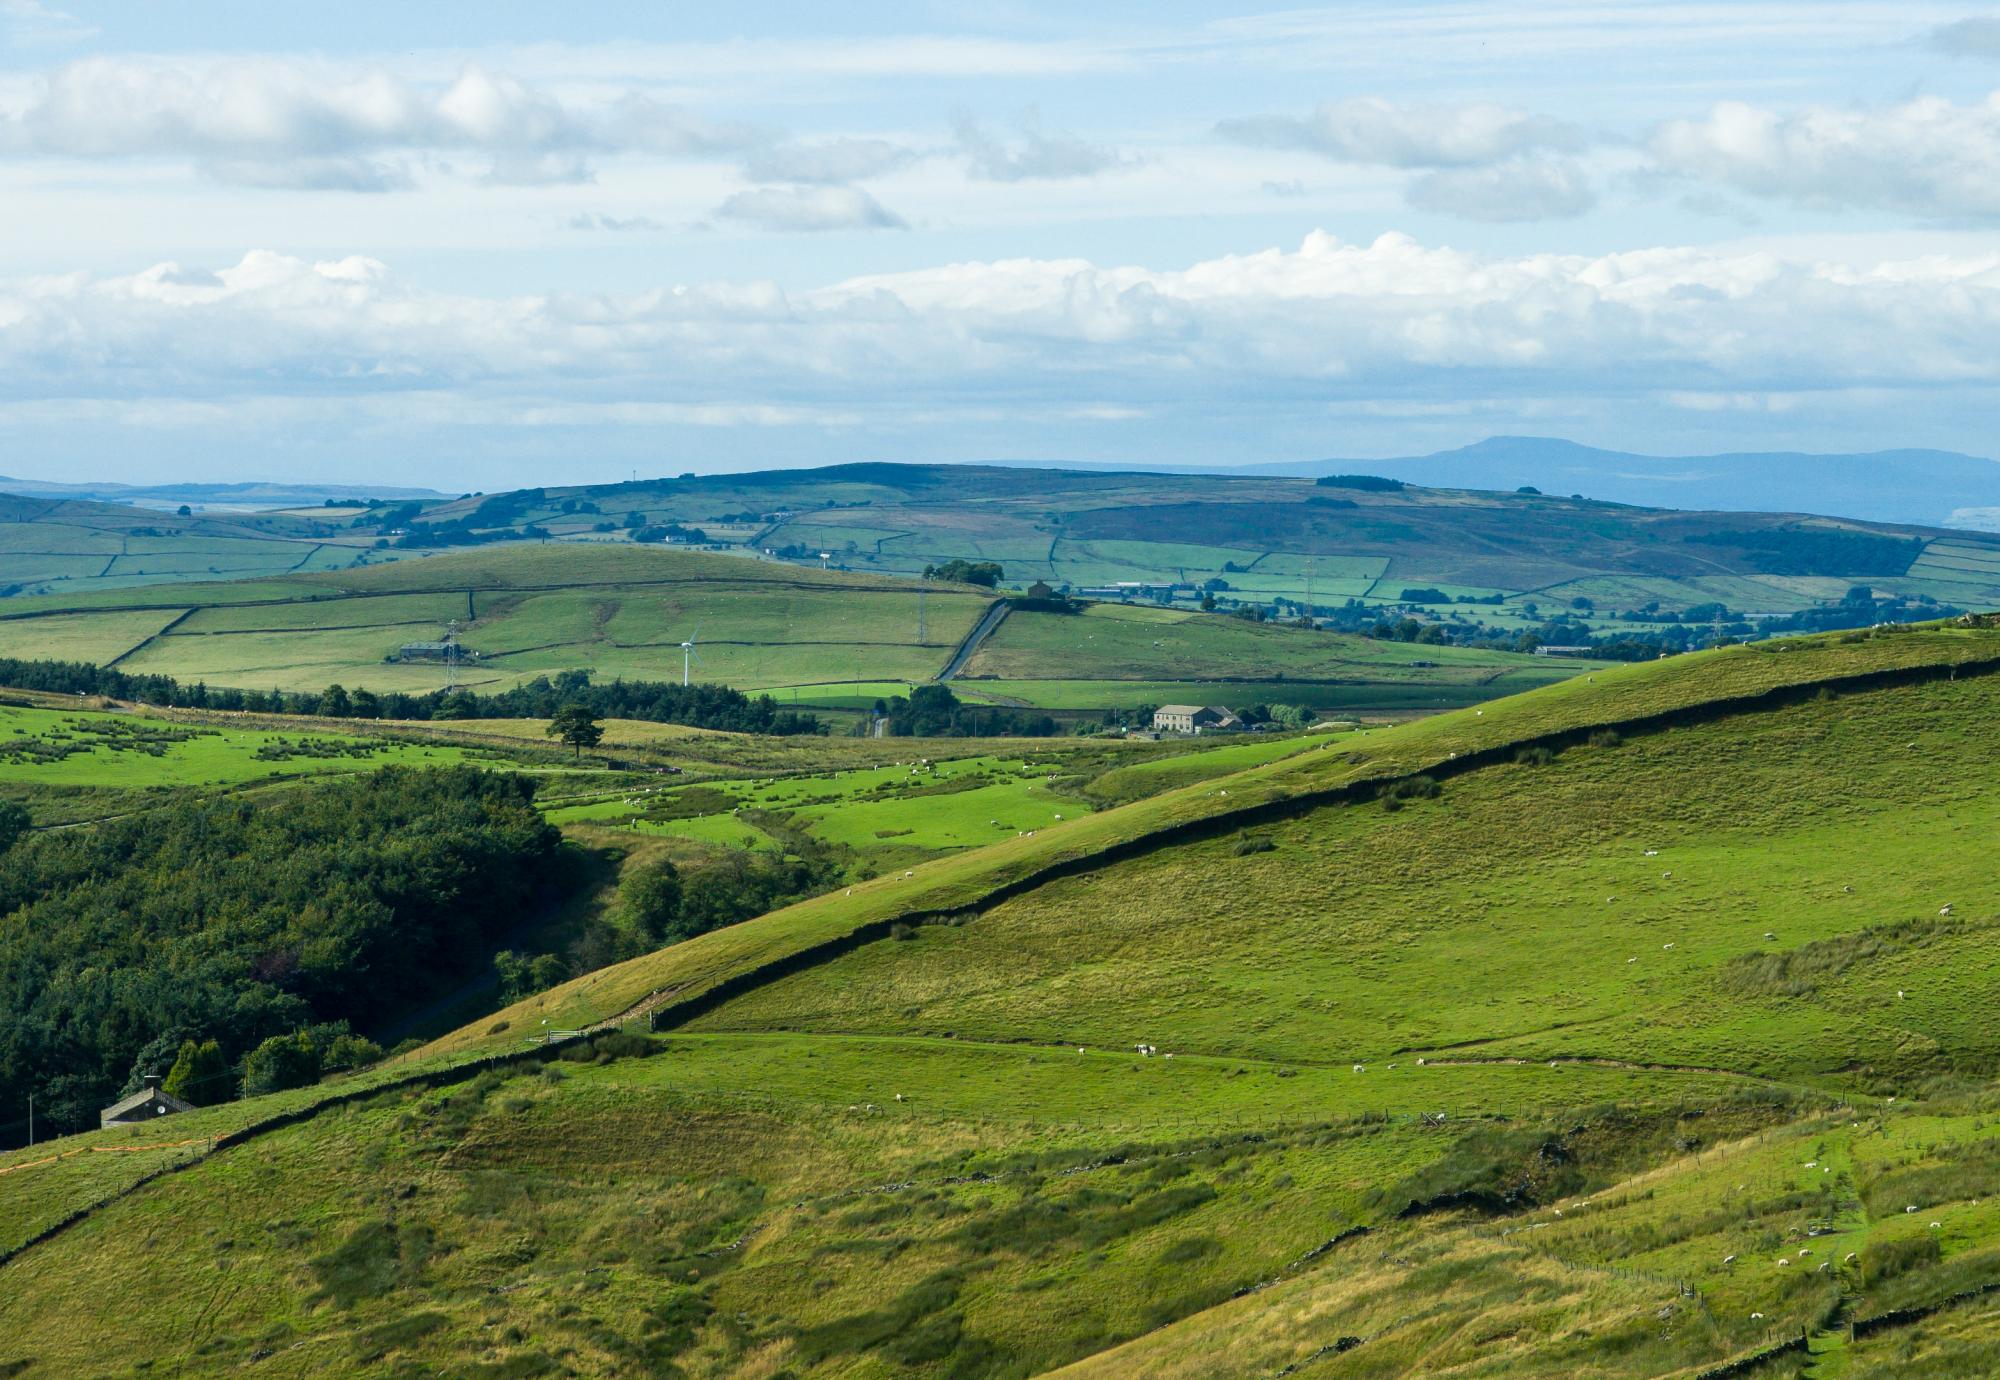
<point>1180,709</point>
<point>140,1099</point>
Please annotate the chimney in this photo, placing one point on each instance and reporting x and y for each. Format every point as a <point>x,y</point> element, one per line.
<point>152,1081</point>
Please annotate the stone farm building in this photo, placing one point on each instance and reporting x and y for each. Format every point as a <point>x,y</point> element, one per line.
<point>147,1104</point>
<point>1194,718</point>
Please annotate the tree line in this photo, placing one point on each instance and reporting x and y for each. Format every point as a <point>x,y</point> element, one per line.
<point>217,920</point>
<point>697,706</point>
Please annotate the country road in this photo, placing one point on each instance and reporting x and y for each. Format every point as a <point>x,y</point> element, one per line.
<point>995,616</point>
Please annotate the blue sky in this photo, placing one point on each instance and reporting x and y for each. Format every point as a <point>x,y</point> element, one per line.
<point>484,245</point>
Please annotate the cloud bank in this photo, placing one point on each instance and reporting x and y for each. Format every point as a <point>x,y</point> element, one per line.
<point>1328,320</point>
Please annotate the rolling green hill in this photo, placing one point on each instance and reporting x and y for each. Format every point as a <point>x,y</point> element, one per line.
<point>1272,537</point>
<point>1637,1026</point>
<point>70,546</point>
<point>1245,539</point>
<point>813,637</point>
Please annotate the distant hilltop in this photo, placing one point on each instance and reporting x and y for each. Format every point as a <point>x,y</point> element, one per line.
<point>1934,488</point>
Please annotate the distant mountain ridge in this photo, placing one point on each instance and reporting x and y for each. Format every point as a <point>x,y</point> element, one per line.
<point>1934,488</point>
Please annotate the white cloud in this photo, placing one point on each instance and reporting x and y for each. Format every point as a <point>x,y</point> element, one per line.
<point>1929,156</point>
<point>810,208</point>
<point>30,23</point>
<point>1366,129</point>
<point>596,220</point>
<point>1478,160</point>
<point>1521,188</point>
<point>1033,155</point>
<point>242,119</point>
<point>1390,321</point>
<point>827,161</point>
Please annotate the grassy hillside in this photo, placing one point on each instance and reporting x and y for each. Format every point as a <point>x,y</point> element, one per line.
<point>524,611</point>
<point>1273,537</point>
<point>822,638</point>
<point>1668,989</point>
<point>1113,654</point>
<point>72,546</point>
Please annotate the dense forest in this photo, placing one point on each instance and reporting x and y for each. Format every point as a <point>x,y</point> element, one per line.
<point>697,706</point>
<point>223,920</point>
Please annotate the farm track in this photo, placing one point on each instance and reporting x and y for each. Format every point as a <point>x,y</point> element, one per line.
<point>983,629</point>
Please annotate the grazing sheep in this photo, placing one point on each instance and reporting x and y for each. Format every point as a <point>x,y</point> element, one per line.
<point>1729,1260</point>
<point>1769,935</point>
<point>1652,852</point>
<point>1631,960</point>
<point>1755,1316</point>
<point>1359,1068</point>
<point>1936,1225</point>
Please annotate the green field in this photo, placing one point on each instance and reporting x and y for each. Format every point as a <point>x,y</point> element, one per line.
<point>906,810</point>
<point>68,547</point>
<point>1112,655</point>
<point>618,610</point>
<point>820,640</point>
<point>1581,1059</point>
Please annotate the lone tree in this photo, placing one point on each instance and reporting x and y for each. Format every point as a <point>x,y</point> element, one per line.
<point>576,726</point>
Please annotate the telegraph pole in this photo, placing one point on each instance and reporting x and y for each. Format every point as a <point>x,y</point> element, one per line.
<point>923,588</point>
<point>451,655</point>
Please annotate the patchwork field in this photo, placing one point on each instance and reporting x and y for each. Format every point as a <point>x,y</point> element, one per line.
<point>73,546</point>
<point>522,612</point>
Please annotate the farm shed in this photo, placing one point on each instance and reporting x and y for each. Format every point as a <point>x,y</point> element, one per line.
<point>148,1103</point>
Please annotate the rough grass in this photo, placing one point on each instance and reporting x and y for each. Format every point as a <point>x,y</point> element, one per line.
<point>1421,1022</point>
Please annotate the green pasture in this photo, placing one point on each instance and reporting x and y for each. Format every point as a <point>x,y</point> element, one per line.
<point>617,610</point>
<point>1115,642</point>
<point>1567,941</point>
<point>1655,1026</point>
<point>1393,694</point>
<point>913,806</point>
<point>59,748</point>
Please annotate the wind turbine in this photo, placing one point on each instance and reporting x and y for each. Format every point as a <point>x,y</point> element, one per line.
<point>689,655</point>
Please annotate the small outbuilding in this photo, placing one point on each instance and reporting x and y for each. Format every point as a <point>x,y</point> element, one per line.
<point>148,1104</point>
<point>1041,589</point>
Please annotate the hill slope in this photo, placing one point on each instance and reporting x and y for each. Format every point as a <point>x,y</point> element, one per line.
<point>818,637</point>
<point>1266,537</point>
<point>1658,949</point>
<point>1935,487</point>
<point>73,545</point>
